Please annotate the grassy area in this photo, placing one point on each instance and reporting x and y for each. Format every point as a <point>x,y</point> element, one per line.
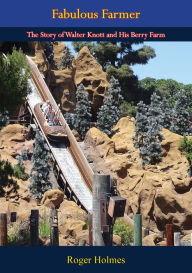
<point>18,234</point>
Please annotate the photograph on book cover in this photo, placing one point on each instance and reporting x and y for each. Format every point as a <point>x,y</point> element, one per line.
<point>95,143</point>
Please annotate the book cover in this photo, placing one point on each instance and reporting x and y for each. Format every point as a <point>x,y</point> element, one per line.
<point>95,135</point>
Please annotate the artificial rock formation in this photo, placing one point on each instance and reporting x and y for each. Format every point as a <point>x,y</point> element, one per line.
<point>38,56</point>
<point>161,193</point>
<point>13,141</point>
<point>63,83</point>
<point>72,219</point>
<point>90,73</point>
<point>52,198</point>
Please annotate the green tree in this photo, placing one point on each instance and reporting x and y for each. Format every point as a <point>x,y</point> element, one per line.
<point>168,89</point>
<point>180,117</point>
<point>128,109</point>
<point>148,124</point>
<point>4,119</point>
<point>69,117</point>
<point>6,174</point>
<point>7,47</point>
<point>116,94</point>
<point>66,59</point>
<point>141,128</point>
<point>141,123</point>
<point>14,74</point>
<point>110,112</point>
<point>164,88</point>
<point>39,177</point>
<point>166,113</point>
<point>49,52</point>
<point>154,137</point>
<point>82,117</point>
<point>146,88</point>
<point>186,146</point>
<point>116,59</point>
<point>187,92</point>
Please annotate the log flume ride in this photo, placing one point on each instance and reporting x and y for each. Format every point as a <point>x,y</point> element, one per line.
<point>72,170</point>
<point>55,133</point>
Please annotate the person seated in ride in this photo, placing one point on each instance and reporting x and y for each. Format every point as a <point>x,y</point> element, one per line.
<point>55,121</point>
<point>51,116</point>
<point>48,110</point>
<point>45,107</point>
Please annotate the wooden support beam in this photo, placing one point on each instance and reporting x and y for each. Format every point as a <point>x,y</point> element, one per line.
<point>3,229</point>
<point>34,228</point>
<point>90,223</point>
<point>13,216</point>
<point>54,231</point>
<point>101,230</point>
<point>169,235</point>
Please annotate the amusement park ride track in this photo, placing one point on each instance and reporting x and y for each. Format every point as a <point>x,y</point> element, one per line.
<point>73,171</point>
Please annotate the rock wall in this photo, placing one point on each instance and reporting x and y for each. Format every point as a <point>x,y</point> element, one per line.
<point>12,142</point>
<point>90,73</point>
<point>38,56</point>
<point>72,219</point>
<point>63,83</point>
<point>161,193</point>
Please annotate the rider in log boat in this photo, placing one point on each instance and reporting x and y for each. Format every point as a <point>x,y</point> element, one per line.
<point>49,121</point>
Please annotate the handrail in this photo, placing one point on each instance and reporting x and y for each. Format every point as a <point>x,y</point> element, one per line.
<point>74,148</point>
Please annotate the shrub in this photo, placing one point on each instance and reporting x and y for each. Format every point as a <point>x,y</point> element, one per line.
<point>44,226</point>
<point>6,174</point>
<point>19,168</point>
<point>184,143</point>
<point>18,234</point>
<point>186,146</point>
<point>19,172</point>
<point>122,229</point>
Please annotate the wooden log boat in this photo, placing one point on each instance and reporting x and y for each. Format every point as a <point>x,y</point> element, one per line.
<point>53,133</point>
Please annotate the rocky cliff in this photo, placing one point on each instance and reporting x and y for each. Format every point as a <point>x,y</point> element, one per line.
<point>63,83</point>
<point>72,219</point>
<point>161,193</point>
